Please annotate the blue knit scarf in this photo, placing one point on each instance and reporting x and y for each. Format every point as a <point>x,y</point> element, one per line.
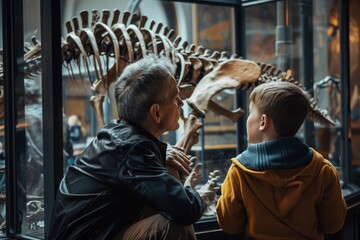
<point>281,153</point>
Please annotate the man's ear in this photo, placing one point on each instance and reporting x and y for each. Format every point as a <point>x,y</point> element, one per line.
<point>265,122</point>
<point>155,112</point>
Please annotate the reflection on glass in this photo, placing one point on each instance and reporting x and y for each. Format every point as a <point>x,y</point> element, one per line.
<point>326,75</point>
<point>328,82</point>
<point>261,33</point>
<point>217,143</point>
<point>34,155</point>
<point>273,35</point>
<point>30,172</point>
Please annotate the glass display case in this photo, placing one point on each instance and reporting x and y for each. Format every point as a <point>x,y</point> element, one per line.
<point>53,108</point>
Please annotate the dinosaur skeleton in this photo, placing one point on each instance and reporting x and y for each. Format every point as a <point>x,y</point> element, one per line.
<point>106,49</point>
<point>120,43</point>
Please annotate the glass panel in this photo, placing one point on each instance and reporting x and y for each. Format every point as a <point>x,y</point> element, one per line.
<point>214,29</point>
<point>273,35</point>
<point>209,26</point>
<point>261,33</point>
<point>326,77</point>
<point>217,145</point>
<point>31,171</point>
<point>328,80</point>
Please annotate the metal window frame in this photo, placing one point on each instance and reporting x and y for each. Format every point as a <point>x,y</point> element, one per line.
<point>12,12</point>
<point>52,107</point>
<point>13,63</point>
<point>344,14</point>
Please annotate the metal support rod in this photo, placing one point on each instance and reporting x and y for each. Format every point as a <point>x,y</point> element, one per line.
<point>241,96</point>
<point>307,62</point>
<point>284,37</point>
<point>345,90</point>
<point>14,140</point>
<point>52,104</point>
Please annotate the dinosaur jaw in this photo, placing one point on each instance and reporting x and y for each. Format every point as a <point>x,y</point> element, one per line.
<point>230,74</point>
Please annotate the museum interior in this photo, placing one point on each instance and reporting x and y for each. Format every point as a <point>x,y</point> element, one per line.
<point>60,58</point>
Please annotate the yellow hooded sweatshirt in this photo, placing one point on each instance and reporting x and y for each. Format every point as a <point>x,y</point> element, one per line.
<point>284,201</point>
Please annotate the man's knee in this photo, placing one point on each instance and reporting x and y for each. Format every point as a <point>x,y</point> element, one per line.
<point>159,228</point>
<point>177,231</point>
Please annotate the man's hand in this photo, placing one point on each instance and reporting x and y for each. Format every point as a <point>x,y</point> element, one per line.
<point>178,163</point>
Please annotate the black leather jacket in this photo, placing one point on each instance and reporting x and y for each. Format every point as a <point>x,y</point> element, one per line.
<point>119,173</point>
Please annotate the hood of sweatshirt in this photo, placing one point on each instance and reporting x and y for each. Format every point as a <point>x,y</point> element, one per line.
<point>284,166</point>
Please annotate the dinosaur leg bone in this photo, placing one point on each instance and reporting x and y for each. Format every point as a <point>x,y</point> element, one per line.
<point>97,104</point>
<point>188,138</point>
<point>190,134</point>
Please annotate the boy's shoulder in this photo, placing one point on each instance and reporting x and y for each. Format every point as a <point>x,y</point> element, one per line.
<point>235,163</point>
<point>327,169</point>
<point>325,163</point>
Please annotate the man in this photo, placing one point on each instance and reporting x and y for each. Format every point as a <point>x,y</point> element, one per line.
<point>119,187</point>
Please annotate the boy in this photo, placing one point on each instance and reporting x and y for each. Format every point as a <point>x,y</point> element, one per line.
<point>279,188</point>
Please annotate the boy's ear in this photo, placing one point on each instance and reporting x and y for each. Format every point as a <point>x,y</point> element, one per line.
<point>265,122</point>
<point>155,112</point>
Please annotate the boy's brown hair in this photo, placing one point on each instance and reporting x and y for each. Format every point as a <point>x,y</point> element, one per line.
<point>285,103</point>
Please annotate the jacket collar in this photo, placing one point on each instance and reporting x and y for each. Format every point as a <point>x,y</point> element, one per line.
<point>161,145</point>
<point>281,153</point>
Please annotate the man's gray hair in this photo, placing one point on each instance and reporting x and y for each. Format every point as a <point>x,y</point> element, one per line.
<point>142,84</point>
